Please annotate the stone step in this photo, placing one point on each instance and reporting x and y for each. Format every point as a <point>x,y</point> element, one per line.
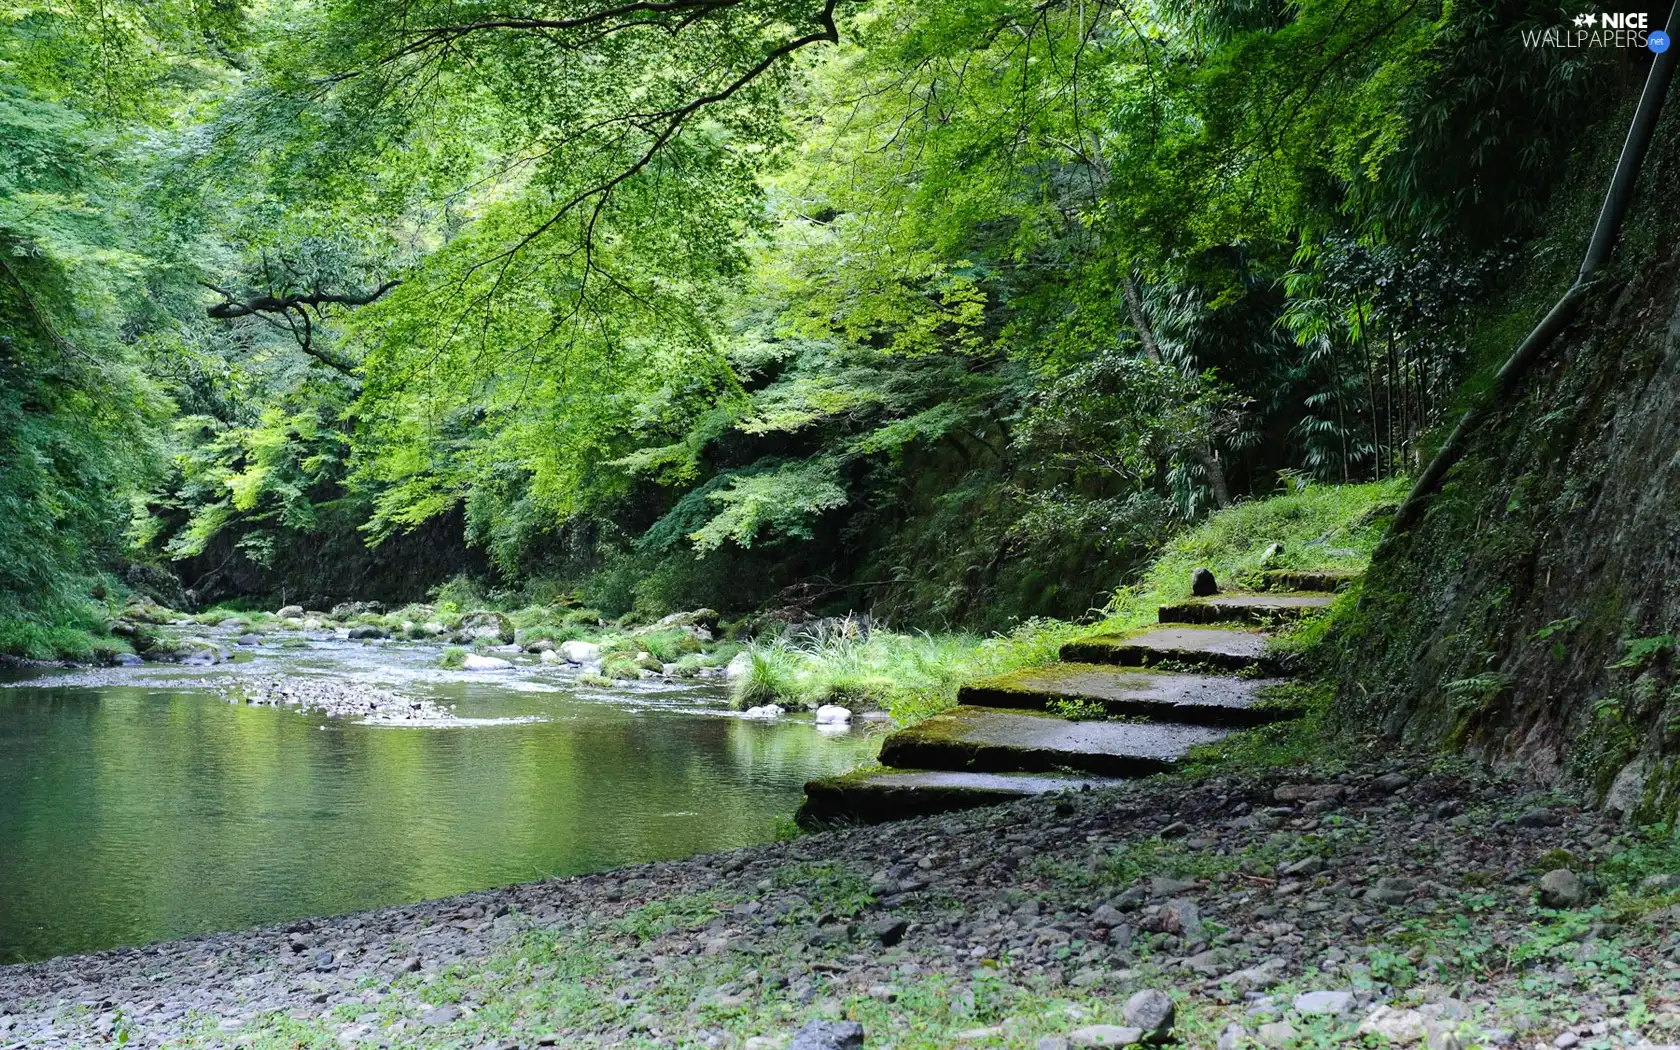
<point>1327,580</point>
<point>1244,608</point>
<point>1226,649</point>
<point>990,740</point>
<point>874,796</point>
<point>1160,696</point>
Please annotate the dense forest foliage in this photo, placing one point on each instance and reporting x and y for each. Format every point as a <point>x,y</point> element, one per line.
<point>956,311</point>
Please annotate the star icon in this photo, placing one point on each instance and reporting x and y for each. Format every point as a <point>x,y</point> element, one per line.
<point>1586,20</point>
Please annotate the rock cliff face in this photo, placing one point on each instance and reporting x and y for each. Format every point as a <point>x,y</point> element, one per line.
<point>1532,614</point>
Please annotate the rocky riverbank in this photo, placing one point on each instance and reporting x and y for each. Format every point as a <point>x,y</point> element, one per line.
<point>1292,908</point>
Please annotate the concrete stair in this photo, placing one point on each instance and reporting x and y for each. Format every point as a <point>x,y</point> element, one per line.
<point>1201,648</point>
<point>876,796</point>
<point>1244,608</point>
<point>1158,693</point>
<point>988,740</point>
<point>1131,692</point>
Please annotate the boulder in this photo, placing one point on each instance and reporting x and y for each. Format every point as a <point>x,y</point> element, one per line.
<point>1653,884</point>
<point>549,656</point>
<point>766,711</point>
<point>475,662</point>
<point>1400,1027</point>
<point>1151,1011</point>
<point>1105,1035</point>
<point>833,715</point>
<point>706,619</point>
<point>828,1035</point>
<point>488,626</point>
<point>580,652</point>
<point>368,630</point>
<point>1562,888</point>
<point>1178,916</point>
<point>1202,583</point>
<point>198,652</point>
<point>1334,1003</point>
<point>289,612</point>
<point>649,662</point>
<point>1391,890</point>
<point>345,610</point>
<point>126,660</point>
<point>740,665</point>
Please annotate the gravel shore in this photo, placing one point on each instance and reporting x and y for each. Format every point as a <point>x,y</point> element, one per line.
<point>1447,905</point>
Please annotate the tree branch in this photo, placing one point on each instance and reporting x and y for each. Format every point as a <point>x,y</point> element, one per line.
<point>284,307</point>
<point>269,304</point>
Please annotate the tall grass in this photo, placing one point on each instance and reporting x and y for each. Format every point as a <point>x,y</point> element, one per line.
<point>913,676</point>
<point>910,676</point>
<point>1315,527</point>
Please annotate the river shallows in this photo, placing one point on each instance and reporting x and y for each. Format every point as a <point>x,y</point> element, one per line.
<point>137,804</point>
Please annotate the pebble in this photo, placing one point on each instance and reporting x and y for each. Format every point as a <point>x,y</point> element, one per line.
<point>1152,1011</point>
<point>828,1035</point>
<point>1561,888</point>
<point>1398,1026</point>
<point>1105,1035</point>
<point>1334,1003</point>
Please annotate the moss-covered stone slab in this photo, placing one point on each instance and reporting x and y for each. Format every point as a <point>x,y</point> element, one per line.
<point>1328,580</point>
<point>990,740</point>
<point>1231,650</point>
<point>876,796</point>
<point>1244,608</point>
<point>1161,696</point>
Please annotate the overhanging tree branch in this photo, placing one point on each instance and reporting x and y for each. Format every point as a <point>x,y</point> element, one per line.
<point>293,309</point>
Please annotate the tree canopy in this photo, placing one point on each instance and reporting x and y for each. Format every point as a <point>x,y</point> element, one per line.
<point>953,309</point>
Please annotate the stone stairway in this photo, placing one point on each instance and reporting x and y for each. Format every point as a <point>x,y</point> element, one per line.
<point>1163,691</point>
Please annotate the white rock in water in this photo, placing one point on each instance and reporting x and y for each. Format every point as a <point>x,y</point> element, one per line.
<point>476,662</point>
<point>580,652</point>
<point>549,656</point>
<point>833,715</point>
<point>739,666</point>
<point>767,711</point>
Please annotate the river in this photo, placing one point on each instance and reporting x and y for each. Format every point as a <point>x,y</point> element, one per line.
<point>139,804</point>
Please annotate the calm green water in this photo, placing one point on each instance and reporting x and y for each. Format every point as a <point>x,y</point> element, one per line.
<point>137,804</point>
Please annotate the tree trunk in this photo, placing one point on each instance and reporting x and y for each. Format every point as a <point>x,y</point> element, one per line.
<point>1215,475</point>
<point>1140,324</point>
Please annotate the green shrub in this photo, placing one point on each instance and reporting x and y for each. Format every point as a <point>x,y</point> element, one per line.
<point>458,593</point>
<point>453,659</point>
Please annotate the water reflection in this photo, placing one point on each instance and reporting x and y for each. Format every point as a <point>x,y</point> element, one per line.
<point>150,809</point>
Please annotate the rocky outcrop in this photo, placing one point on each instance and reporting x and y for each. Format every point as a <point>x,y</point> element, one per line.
<point>1531,614</point>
